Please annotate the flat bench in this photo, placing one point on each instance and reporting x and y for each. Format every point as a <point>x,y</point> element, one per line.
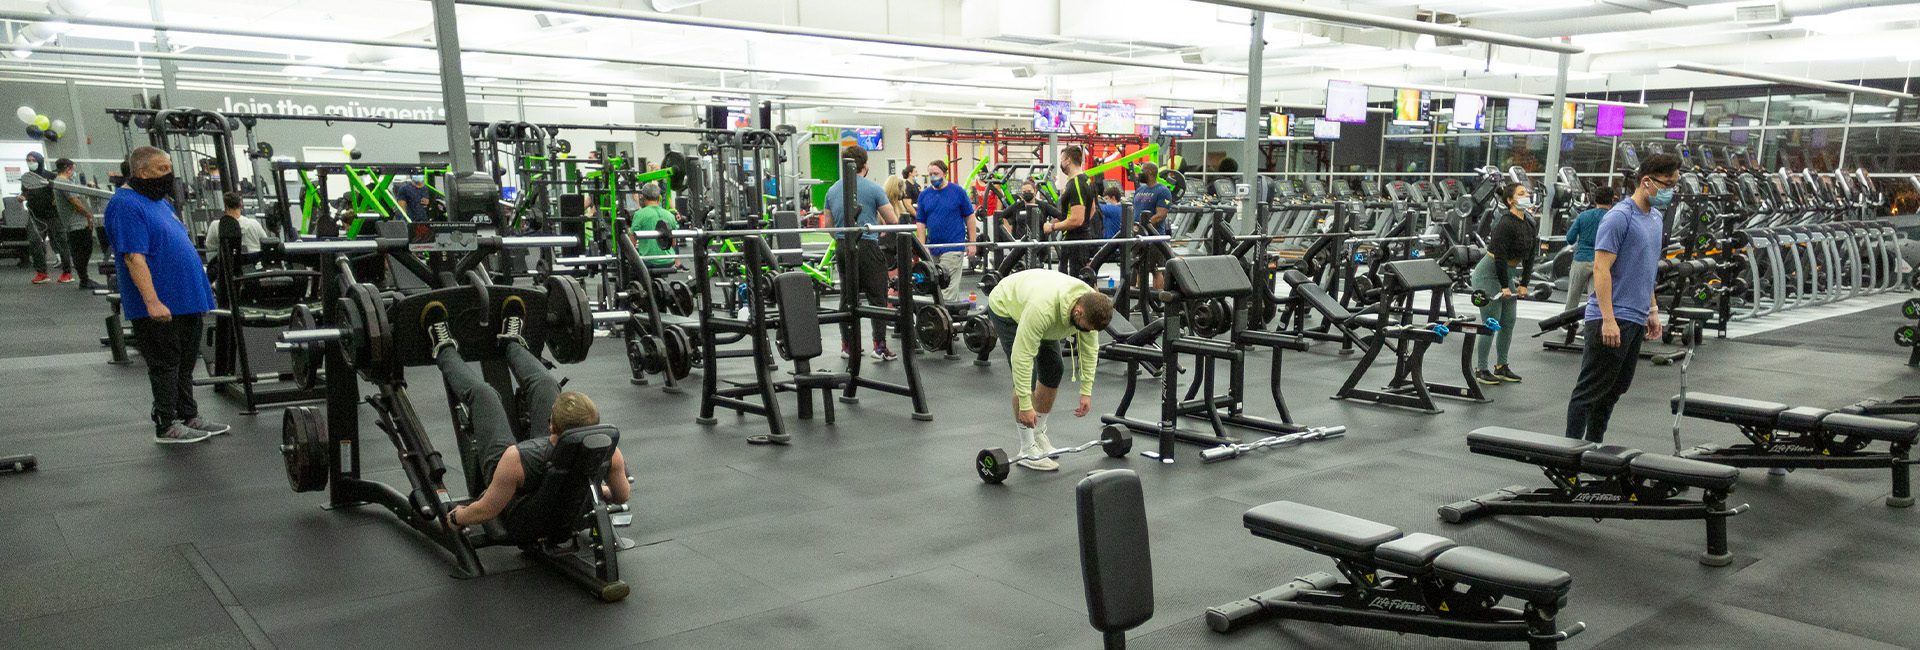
<point>1791,437</point>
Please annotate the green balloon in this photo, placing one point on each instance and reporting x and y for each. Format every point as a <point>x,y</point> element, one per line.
<point>42,122</point>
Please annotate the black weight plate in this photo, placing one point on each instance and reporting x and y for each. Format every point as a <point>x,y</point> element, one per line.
<point>1906,336</point>
<point>372,333</point>
<point>977,333</point>
<point>683,300</point>
<point>992,465</point>
<point>307,358</point>
<point>1116,440</point>
<point>933,328</point>
<point>569,321</point>
<point>650,353</point>
<point>303,446</point>
<point>1910,308</point>
<point>663,297</point>
<point>680,352</point>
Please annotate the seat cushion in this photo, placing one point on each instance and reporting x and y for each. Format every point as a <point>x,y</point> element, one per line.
<point>1318,530</point>
<point>1411,556</point>
<point>1695,314</point>
<point>1890,430</point>
<point>1683,471</point>
<point>1607,460</point>
<point>1474,567</point>
<point>1528,447</point>
<point>1731,410</point>
<point>1801,418</point>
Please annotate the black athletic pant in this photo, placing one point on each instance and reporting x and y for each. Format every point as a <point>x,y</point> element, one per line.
<point>492,429</point>
<point>80,251</point>
<point>1605,375</point>
<point>171,350</point>
<point>871,283</point>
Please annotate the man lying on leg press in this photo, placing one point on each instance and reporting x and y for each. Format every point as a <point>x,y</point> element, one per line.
<point>511,468</point>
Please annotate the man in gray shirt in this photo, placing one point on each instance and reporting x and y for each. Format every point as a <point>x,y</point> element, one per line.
<point>76,217</point>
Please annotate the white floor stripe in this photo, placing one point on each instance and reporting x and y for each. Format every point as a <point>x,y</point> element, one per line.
<point>1531,311</point>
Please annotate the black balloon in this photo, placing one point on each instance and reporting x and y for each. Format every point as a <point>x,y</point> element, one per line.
<point>52,136</point>
<point>33,132</point>
<point>355,154</point>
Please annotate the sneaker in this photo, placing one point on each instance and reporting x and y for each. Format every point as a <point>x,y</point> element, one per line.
<point>66,278</point>
<point>513,316</point>
<point>882,353</point>
<point>180,434</point>
<point>1041,442</point>
<point>1035,461</point>
<point>88,284</point>
<point>1485,377</point>
<point>845,351</point>
<point>212,428</point>
<point>40,278</point>
<point>1505,373</point>
<point>439,333</point>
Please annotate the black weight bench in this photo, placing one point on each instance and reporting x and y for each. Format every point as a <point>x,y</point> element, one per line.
<point>1115,565</point>
<point>565,524</point>
<point>1598,481</point>
<point>1791,437</point>
<point>1432,586</point>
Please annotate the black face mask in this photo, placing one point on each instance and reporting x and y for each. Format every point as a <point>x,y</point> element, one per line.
<point>1026,196</point>
<point>153,188</point>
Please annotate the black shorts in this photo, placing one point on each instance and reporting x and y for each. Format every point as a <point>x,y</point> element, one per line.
<point>1047,366</point>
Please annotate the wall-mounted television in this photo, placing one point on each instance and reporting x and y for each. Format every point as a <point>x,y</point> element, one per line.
<point>1052,116</point>
<point>1523,114</point>
<point>1230,124</point>
<point>1176,121</point>
<point>1346,102</point>
<point>1115,118</point>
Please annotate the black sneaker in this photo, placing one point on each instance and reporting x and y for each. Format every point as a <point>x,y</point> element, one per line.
<point>439,334</point>
<point>513,317</point>
<point>1485,377</point>
<point>1505,373</point>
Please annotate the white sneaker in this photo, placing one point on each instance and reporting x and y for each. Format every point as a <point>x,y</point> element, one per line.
<point>1040,464</point>
<point>1041,442</point>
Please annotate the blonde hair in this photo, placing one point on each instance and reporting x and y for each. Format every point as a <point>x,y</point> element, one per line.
<point>896,188</point>
<point>572,410</point>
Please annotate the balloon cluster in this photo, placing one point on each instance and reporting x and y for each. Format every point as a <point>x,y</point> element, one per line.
<point>39,127</point>
<point>349,145</point>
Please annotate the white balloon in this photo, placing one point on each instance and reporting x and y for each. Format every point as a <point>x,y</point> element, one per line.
<point>348,142</point>
<point>25,113</point>
<point>60,127</point>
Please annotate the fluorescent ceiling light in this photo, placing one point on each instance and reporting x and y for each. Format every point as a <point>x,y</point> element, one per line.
<point>305,70</point>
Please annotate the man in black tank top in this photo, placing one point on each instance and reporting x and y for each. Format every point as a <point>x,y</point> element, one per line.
<point>505,466</point>
<point>1081,219</point>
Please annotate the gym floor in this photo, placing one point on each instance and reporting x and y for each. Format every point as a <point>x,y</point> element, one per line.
<point>875,532</point>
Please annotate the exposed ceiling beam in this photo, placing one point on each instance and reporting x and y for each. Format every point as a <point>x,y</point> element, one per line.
<point>1363,19</point>
<point>1785,79</point>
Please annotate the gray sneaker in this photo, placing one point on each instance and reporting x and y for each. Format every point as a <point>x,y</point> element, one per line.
<point>180,434</point>
<point>212,428</point>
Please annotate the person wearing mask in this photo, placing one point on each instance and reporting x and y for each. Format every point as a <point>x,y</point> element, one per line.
<point>163,291</point>
<point>1110,212</point>
<point>1023,214</point>
<point>414,196</point>
<point>1580,236</point>
<point>76,218</point>
<point>1151,199</point>
<point>251,232</point>
<point>945,218</point>
<point>1502,274</point>
<point>1622,311</point>
<point>1031,312</point>
<point>871,209</point>
<point>1080,219</point>
<point>36,191</point>
<point>648,219</point>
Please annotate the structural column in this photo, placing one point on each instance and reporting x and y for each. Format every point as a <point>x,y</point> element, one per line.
<point>1549,177</point>
<point>1250,159</point>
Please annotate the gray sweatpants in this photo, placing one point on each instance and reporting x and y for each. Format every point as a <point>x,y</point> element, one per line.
<point>1579,284</point>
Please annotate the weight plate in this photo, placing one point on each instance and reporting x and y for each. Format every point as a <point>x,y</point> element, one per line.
<point>650,354</point>
<point>307,358</point>
<point>1906,336</point>
<point>1910,308</point>
<point>1116,440</point>
<point>683,301</point>
<point>569,321</point>
<point>303,445</point>
<point>680,352</point>
<point>992,465</point>
<point>372,335</point>
<point>933,328</point>
<point>977,333</point>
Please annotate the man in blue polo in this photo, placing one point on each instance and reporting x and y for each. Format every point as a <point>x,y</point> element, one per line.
<point>163,290</point>
<point>1622,312</point>
<point>946,217</point>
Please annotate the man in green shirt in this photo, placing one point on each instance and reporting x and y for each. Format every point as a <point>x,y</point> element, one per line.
<point>1031,312</point>
<point>646,220</point>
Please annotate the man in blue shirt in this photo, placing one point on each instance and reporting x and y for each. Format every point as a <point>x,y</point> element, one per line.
<point>1150,202</point>
<point>946,217</point>
<point>1627,249</point>
<point>872,208</point>
<point>163,290</point>
<point>1110,212</point>
<point>1580,236</point>
<point>413,195</point>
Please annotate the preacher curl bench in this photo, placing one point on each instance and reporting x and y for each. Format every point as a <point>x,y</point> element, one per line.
<point>1432,586</point>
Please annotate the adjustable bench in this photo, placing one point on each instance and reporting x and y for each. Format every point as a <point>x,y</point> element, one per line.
<point>1803,436</point>
<point>1625,483</point>
<point>1421,592</point>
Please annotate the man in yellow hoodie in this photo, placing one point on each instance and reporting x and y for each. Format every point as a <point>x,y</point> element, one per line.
<point>1031,312</point>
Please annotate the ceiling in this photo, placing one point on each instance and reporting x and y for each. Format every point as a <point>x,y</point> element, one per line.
<point>1186,43</point>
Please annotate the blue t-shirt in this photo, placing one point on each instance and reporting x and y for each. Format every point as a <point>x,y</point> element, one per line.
<point>1634,238</point>
<point>945,211</point>
<point>409,198</point>
<point>1148,199</point>
<point>1581,232</point>
<point>137,224</point>
<point>1110,215</point>
<point>871,199</point>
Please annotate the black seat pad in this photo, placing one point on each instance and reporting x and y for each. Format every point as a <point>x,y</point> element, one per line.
<point>1801,418</point>
<point>1608,460</point>
<point>1694,473</point>
<point>1316,296</point>
<point>1694,314</point>
<point>1318,530</point>
<point>1731,410</point>
<point>1528,447</point>
<point>1411,556</point>
<point>1895,431</point>
<point>1474,567</point>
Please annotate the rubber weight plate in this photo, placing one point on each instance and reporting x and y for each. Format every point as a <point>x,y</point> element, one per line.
<point>303,445</point>
<point>933,328</point>
<point>569,321</point>
<point>992,465</point>
<point>1910,308</point>
<point>680,352</point>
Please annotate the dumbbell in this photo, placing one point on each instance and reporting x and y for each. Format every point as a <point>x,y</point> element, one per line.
<point>1480,298</point>
<point>1911,308</point>
<point>1906,336</point>
<point>994,465</point>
